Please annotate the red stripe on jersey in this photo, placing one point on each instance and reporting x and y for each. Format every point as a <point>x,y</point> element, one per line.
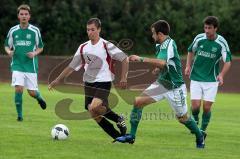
<point>81,53</point>
<point>109,59</point>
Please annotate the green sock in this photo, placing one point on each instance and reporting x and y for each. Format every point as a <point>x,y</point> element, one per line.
<point>192,126</point>
<point>205,120</point>
<point>37,96</point>
<point>18,103</point>
<point>195,113</point>
<point>135,118</point>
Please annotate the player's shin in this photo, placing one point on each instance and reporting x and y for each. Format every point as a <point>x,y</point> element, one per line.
<point>18,103</point>
<point>195,113</point>
<point>135,118</point>
<point>205,120</point>
<point>192,126</point>
<point>108,128</point>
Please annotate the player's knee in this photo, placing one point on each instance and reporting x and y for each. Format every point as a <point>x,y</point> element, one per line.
<point>183,119</point>
<point>138,103</point>
<point>18,89</point>
<point>31,93</point>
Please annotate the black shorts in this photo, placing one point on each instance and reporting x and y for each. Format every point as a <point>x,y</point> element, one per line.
<point>99,90</point>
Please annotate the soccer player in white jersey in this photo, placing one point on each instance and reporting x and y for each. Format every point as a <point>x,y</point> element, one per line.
<point>23,44</point>
<point>95,56</point>
<point>169,84</point>
<point>207,49</point>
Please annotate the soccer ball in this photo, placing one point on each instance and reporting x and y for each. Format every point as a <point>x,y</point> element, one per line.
<point>60,132</point>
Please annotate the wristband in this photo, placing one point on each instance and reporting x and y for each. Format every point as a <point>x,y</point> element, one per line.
<point>141,59</point>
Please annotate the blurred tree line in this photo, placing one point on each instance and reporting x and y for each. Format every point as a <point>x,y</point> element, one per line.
<point>63,22</point>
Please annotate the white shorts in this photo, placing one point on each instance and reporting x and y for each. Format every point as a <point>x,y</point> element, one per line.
<point>175,97</point>
<point>203,90</point>
<point>28,80</point>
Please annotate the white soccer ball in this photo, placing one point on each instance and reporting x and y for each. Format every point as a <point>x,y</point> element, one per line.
<point>60,132</point>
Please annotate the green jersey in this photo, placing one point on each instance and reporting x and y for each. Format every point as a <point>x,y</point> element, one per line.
<point>171,75</point>
<point>23,41</point>
<point>208,54</point>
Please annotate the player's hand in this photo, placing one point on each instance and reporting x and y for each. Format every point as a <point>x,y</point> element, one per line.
<point>220,79</point>
<point>123,83</point>
<point>52,84</point>
<point>10,53</point>
<point>134,58</point>
<point>31,54</point>
<point>156,71</point>
<point>187,71</point>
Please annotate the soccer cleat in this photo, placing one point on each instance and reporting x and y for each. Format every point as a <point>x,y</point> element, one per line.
<point>122,125</point>
<point>42,103</point>
<point>200,143</point>
<point>19,119</point>
<point>128,138</point>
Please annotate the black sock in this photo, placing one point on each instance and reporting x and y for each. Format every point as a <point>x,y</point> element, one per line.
<point>112,116</point>
<point>109,128</point>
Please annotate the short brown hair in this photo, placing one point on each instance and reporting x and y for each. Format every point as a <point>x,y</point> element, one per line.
<point>24,7</point>
<point>161,26</point>
<point>95,21</point>
<point>211,20</point>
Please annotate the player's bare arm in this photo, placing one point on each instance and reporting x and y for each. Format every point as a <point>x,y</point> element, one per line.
<point>225,69</point>
<point>9,51</point>
<point>155,62</point>
<point>66,72</point>
<point>34,53</point>
<point>188,64</point>
<point>123,81</point>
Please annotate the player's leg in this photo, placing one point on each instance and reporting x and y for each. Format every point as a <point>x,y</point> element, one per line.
<point>102,92</point>
<point>196,96</point>
<point>210,92</point>
<point>94,106</point>
<point>178,102</point>
<point>152,94</point>
<point>18,101</point>
<point>135,118</point>
<point>97,110</point>
<point>18,83</point>
<point>32,87</point>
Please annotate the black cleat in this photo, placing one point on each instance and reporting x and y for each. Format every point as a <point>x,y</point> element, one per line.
<point>122,125</point>
<point>42,103</point>
<point>19,119</point>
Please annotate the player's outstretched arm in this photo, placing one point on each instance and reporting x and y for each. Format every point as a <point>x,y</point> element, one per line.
<point>156,62</point>
<point>125,65</point>
<point>66,72</point>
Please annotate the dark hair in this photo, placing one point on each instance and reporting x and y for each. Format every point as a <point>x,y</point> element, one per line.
<point>161,26</point>
<point>211,20</point>
<point>95,21</point>
<point>24,7</point>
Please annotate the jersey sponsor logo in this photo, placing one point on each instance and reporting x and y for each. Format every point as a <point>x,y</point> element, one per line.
<point>206,54</point>
<point>28,36</point>
<point>23,43</point>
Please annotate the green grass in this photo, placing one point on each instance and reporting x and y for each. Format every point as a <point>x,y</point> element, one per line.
<point>156,138</point>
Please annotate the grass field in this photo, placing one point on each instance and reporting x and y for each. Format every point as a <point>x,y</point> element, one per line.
<point>159,137</point>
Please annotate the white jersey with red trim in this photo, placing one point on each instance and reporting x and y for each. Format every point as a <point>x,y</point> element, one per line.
<point>96,60</point>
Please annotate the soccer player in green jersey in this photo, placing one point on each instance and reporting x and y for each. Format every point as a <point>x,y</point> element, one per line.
<point>23,44</point>
<point>169,84</point>
<point>207,49</point>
